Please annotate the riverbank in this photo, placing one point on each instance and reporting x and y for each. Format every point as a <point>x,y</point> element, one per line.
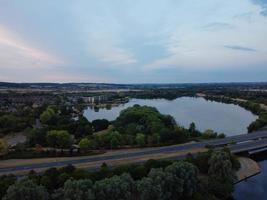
<point>248,168</point>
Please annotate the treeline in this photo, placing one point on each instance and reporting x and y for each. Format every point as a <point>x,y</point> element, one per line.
<point>257,95</point>
<point>260,123</point>
<point>209,175</point>
<point>10,123</point>
<point>161,93</point>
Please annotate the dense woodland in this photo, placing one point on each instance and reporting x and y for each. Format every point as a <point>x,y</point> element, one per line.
<point>209,175</point>
<point>135,126</point>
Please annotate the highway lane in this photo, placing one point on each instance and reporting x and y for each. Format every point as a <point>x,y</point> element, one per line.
<point>247,146</point>
<point>150,151</point>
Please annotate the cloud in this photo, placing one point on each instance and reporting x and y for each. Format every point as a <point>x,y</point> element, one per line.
<point>113,55</point>
<point>201,45</point>
<point>122,39</point>
<point>217,26</point>
<point>263,4</point>
<point>64,77</point>
<point>239,48</point>
<point>16,53</point>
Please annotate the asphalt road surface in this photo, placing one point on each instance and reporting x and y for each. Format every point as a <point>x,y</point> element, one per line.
<point>244,142</point>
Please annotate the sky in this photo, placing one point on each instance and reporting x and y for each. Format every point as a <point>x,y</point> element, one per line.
<point>126,41</point>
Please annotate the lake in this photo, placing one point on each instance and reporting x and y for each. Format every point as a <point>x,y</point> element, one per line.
<point>222,118</point>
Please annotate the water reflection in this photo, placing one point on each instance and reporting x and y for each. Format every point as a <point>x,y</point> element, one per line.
<point>223,118</point>
<point>256,186</point>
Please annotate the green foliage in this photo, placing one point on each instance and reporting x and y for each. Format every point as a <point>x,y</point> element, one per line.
<point>37,136</point>
<point>85,144</point>
<point>47,116</point>
<point>140,139</point>
<point>100,124</point>
<point>221,174</point>
<point>11,123</point>
<point>7,120</point>
<point>193,131</point>
<point>188,173</point>
<point>115,139</point>
<point>221,189</point>
<point>209,134</point>
<point>5,182</point>
<point>259,123</point>
<point>59,138</point>
<point>78,190</point>
<point>176,181</point>
<point>26,189</point>
<point>3,146</point>
<point>83,127</point>
<point>201,160</point>
<point>143,119</point>
<point>156,180</point>
<point>110,139</point>
<point>221,135</point>
<point>220,165</point>
<point>117,187</point>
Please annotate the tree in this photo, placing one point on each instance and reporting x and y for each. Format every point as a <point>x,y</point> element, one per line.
<point>188,173</point>
<point>84,127</point>
<point>155,138</point>
<point>115,139</point>
<point>5,182</point>
<point>64,139</point>
<point>114,188</point>
<point>221,166</point>
<point>50,179</point>
<point>85,144</point>
<point>193,131</point>
<point>47,115</point>
<point>178,180</point>
<point>139,172</point>
<point>143,119</point>
<point>37,136</point>
<point>52,138</point>
<point>10,122</point>
<point>148,190</point>
<point>100,124</point>
<point>221,135</point>
<point>78,190</point>
<point>3,147</point>
<point>160,185</point>
<point>26,189</point>
<point>209,134</point>
<point>7,121</point>
<point>221,175</point>
<point>192,127</point>
<point>59,138</point>
<point>140,139</point>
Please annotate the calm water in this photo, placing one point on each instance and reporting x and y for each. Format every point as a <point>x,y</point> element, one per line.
<point>223,118</point>
<point>255,187</point>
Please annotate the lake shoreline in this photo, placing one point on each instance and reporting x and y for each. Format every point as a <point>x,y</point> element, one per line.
<point>222,118</point>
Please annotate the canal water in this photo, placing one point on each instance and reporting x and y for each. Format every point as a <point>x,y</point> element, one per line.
<point>222,118</point>
<point>256,186</point>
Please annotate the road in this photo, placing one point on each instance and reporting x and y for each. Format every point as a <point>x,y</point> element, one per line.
<point>244,142</point>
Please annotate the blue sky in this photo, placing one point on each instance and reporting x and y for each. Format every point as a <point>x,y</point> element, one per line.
<point>125,41</point>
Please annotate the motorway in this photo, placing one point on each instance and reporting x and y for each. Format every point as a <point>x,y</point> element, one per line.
<point>244,142</point>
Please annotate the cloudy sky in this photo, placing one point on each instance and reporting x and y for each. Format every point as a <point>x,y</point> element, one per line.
<point>126,41</point>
